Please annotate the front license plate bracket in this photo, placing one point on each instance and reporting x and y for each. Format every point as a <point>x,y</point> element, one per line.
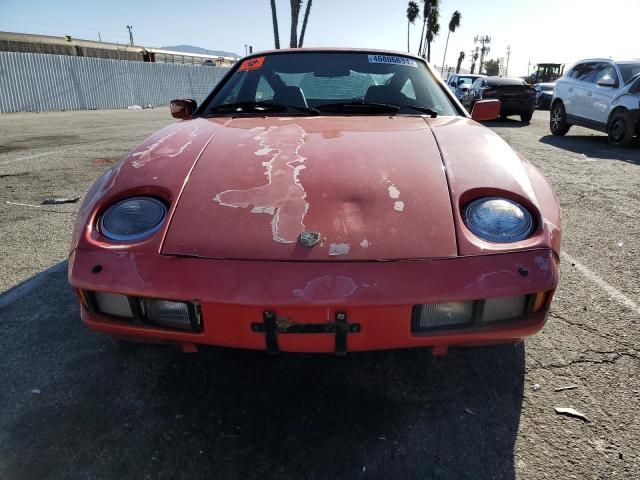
<point>272,326</point>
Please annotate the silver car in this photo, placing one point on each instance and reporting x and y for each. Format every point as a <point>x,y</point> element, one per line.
<point>460,84</point>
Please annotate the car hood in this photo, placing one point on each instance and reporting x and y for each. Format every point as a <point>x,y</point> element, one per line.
<point>371,187</point>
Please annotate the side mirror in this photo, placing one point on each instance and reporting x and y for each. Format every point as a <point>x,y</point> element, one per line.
<point>485,110</point>
<point>606,82</point>
<point>183,108</point>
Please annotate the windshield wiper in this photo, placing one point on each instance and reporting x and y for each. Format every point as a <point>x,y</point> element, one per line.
<point>428,111</point>
<point>259,107</point>
<point>359,107</point>
<point>374,107</point>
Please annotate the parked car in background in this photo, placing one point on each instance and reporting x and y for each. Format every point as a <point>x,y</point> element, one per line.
<point>460,84</point>
<point>544,94</point>
<point>516,96</point>
<point>320,200</point>
<point>601,94</point>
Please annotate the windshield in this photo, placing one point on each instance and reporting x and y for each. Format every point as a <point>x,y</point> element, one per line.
<point>629,70</point>
<point>466,80</point>
<point>331,82</point>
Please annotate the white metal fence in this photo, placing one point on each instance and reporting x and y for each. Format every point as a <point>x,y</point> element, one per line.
<point>39,82</point>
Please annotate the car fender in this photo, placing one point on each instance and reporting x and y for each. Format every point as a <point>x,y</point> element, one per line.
<point>627,101</point>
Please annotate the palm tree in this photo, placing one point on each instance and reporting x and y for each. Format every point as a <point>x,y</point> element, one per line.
<point>295,13</point>
<point>453,24</point>
<point>460,59</point>
<point>474,59</point>
<point>304,23</point>
<point>274,16</point>
<point>433,26</point>
<point>425,16</point>
<point>413,12</point>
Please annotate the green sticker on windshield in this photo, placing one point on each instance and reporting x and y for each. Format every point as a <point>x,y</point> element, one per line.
<point>393,60</point>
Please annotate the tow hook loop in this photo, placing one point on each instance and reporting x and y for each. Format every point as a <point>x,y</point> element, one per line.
<point>342,329</point>
<point>270,335</point>
<point>271,326</point>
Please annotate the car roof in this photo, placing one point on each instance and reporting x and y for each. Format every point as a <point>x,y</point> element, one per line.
<point>612,60</point>
<point>504,81</point>
<point>334,50</point>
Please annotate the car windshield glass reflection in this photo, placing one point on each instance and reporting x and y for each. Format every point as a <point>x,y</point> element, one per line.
<point>301,82</point>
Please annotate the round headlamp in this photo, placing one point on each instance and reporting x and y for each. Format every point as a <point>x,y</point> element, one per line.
<point>133,219</point>
<point>498,220</point>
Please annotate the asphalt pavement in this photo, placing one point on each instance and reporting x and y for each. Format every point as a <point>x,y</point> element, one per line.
<point>77,405</point>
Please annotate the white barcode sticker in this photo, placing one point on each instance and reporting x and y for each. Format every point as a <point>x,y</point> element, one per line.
<point>393,60</point>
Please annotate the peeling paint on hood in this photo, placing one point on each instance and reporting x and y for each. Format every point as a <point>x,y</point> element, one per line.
<point>264,180</point>
<point>166,146</point>
<point>283,195</point>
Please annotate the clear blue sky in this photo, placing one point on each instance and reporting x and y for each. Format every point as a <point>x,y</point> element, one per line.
<point>538,31</point>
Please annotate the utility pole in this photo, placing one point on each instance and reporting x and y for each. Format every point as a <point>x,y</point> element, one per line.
<point>99,37</point>
<point>528,67</point>
<point>484,40</point>
<point>506,69</point>
<point>246,49</point>
<point>474,59</point>
<point>129,27</point>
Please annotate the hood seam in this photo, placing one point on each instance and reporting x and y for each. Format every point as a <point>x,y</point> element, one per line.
<point>446,176</point>
<point>186,180</point>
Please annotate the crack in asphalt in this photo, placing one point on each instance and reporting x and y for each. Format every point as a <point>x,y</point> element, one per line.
<point>594,331</point>
<point>609,361</point>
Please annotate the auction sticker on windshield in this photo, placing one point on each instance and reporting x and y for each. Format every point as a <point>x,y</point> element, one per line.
<point>251,64</point>
<point>392,60</point>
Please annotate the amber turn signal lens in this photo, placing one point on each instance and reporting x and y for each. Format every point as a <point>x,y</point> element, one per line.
<point>82,298</point>
<point>539,301</point>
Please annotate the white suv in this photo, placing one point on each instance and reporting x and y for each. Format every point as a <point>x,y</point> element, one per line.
<point>601,94</point>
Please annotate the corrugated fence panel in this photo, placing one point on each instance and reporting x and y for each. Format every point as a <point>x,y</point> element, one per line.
<point>32,82</point>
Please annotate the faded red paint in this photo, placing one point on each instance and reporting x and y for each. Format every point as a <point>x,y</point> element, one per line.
<point>378,295</point>
<point>485,165</point>
<point>282,196</point>
<point>375,187</point>
<point>349,165</point>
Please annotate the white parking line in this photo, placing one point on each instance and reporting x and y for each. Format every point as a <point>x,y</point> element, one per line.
<point>29,157</point>
<point>613,292</point>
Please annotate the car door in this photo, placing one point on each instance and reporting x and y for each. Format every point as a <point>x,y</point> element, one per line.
<point>474,92</point>
<point>599,97</point>
<point>452,83</point>
<point>566,90</point>
<point>583,89</point>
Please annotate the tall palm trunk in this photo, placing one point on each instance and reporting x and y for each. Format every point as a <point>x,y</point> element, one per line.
<point>424,24</point>
<point>304,23</point>
<point>446,45</point>
<point>408,27</point>
<point>274,16</point>
<point>460,59</point>
<point>295,12</point>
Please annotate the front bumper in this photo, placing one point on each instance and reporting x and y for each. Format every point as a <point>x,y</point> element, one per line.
<point>544,101</point>
<point>377,296</point>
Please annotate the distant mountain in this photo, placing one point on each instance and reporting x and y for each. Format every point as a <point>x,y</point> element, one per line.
<point>202,51</point>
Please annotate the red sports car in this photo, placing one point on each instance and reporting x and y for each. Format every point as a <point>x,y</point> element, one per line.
<point>320,201</point>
